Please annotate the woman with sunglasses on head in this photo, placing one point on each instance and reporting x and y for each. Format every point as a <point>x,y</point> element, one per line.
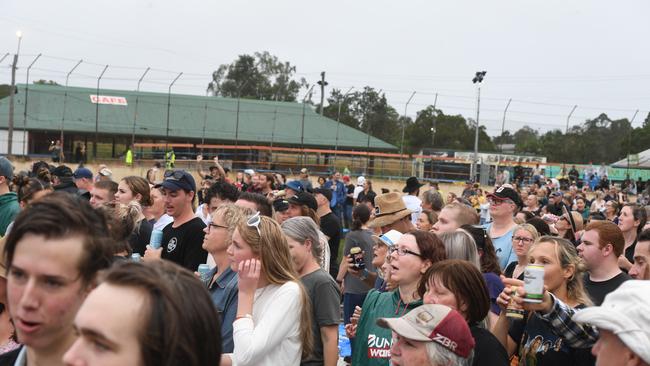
<point>410,257</point>
<point>569,224</point>
<point>222,283</point>
<point>545,335</point>
<point>459,284</point>
<point>524,236</point>
<point>273,324</point>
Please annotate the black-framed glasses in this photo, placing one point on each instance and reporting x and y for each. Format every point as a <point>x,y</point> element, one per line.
<point>522,239</point>
<point>255,222</point>
<point>174,174</point>
<point>402,252</point>
<point>217,226</point>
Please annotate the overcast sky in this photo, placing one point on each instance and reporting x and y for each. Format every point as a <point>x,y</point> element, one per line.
<point>546,55</point>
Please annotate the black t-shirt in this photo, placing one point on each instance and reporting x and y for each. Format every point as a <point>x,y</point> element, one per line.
<point>510,270</point>
<point>367,197</point>
<point>487,351</point>
<point>349,190</point>
<point>182,245</point>
<point>598,290</point>
<point>629,252</point>
<point>140,237</point>
<point>330,225</point>
<point>539,345</point>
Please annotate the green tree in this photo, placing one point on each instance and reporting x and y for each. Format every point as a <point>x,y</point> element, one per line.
<point>365,110</point>
<point>451,132</point>
<point>46,82</point>
<point>259,76</point>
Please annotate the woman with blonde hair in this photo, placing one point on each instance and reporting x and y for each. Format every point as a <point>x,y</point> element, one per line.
<point>564,292</point>
<point>523,236</point>
<point>273,325</point>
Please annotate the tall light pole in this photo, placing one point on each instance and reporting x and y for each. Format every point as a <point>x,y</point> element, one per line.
<point>478,79</point>
<point>10,127</point>
<point>65,100</point>
<point>26,99</point>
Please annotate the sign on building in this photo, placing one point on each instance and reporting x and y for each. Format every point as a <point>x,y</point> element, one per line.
<point>106,99</point>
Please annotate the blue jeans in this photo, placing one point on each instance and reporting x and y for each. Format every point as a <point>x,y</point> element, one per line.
<point>350,301</point>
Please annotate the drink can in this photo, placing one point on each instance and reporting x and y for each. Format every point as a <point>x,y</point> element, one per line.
<point>513,310</point>
<point>156,239</point>
<point>204,272</point>
<point>357,258</point>
<point>534,283</point>
<point>136,257</point>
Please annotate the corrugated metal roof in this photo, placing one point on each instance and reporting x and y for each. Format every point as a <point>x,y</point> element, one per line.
<point>259,121</point>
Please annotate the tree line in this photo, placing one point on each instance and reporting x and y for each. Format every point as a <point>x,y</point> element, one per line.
<point>263,76</point>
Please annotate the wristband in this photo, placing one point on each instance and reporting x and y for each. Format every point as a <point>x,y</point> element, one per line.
<point>245,316</point>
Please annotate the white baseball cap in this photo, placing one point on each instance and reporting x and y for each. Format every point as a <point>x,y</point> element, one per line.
<point>626,313</point>
<point>391,238</point>
<point>361,180</point>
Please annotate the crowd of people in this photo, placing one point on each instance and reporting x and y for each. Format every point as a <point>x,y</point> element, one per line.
<point>257,268</point>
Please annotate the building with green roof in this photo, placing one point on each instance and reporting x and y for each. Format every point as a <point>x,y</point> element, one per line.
<point>117,116</point>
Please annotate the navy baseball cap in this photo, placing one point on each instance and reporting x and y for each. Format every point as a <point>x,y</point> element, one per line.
<point>178,179</point>
<point>83,173</point>
<point>295,185</point>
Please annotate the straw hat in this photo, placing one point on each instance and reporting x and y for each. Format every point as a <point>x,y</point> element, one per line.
<point>389,207</point>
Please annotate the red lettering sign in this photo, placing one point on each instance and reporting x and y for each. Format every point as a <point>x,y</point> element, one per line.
<point>105,99</point>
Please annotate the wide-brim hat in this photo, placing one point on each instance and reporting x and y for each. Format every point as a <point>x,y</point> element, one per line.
<point>389,207</point>
<point>412,184</point>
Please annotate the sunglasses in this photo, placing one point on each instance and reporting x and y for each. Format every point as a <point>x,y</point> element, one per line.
<point>174,174</point>
<point>254,221</point>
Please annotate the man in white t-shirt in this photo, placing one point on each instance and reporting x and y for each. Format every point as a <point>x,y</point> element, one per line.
<point>411,200</point>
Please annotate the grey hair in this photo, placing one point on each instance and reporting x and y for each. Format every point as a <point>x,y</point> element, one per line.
<point>442,356</point>
<point>434,198</point>
<point>231,216</point>
<point>460,244</point>
<point>301,229</point>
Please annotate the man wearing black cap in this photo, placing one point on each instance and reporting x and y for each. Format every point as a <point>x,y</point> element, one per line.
<point>281,210</point>
<point>9,206</point>
<point>330,225</point>
<point>182,238</point>
<point>62,180</point>
<point>555,203</point>
<point>411,200</point>
<point>504,204</point>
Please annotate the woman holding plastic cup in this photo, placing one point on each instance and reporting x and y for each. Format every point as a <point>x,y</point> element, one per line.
<point>537,338</point>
